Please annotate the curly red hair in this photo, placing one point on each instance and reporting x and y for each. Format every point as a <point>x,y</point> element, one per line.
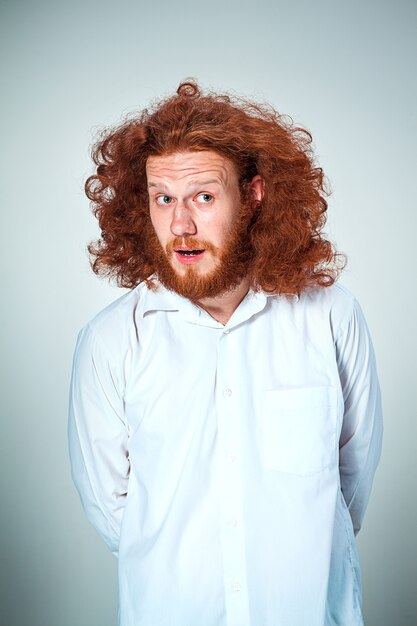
<point>290,253</point>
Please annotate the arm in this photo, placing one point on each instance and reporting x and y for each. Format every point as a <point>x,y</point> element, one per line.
<point>97,436</point>
<point>361,436</point>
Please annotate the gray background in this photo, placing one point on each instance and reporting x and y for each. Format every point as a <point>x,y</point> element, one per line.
<point>346,71</point>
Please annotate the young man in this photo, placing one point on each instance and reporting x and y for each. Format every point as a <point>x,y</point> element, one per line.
<point>225,421</point>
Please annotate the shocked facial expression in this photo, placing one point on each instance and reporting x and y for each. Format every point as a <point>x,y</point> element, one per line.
<point>196,213</point>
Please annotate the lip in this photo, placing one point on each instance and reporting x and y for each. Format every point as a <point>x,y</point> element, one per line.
<point>188,260</point>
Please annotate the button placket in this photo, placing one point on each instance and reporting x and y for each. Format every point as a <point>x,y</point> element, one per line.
<point>230,486</point>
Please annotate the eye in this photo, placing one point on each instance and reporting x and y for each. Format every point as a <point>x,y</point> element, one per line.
<point>205,197</point>
<point>163,200</point>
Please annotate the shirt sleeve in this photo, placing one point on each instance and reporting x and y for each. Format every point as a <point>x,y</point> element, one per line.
<point>361,436</point>
<point>98,438</point>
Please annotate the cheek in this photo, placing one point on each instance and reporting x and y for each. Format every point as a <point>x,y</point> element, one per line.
<point>223,230</point>
<point>159,225</point>
<point>154,219</point>
<point>215,227</point>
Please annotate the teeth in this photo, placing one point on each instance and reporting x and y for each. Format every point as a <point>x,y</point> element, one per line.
<point>190,252</point>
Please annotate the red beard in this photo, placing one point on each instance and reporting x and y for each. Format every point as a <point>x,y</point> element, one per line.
<point>233,261</point>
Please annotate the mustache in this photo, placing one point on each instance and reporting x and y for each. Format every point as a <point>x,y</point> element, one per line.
<point>191,243</point>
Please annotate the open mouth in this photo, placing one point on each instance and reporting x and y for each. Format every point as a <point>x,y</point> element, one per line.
<point>187,256</point>
<point>186,253</point>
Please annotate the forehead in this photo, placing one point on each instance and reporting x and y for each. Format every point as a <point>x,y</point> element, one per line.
<point>187,164</point>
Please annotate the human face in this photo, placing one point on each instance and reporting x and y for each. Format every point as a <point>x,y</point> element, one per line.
<point>196,213</point>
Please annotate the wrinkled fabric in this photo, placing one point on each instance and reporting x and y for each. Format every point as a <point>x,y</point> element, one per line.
<point>228,467</point>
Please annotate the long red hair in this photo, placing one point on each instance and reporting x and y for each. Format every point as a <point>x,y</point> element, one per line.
<point>290,253</point>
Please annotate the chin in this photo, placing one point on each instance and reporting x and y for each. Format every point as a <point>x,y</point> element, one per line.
<point>192,270</point>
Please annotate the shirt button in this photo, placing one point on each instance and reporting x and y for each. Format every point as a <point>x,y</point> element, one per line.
<point>232,522</point>
<point>227,392</point>
<point>236,587</point>
<point>227,331</point>
<point>232,458</point>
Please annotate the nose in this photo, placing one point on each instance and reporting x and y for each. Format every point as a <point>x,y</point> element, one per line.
<point>182,224</point>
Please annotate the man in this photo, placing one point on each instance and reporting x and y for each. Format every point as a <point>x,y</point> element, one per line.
<point>225,420</point>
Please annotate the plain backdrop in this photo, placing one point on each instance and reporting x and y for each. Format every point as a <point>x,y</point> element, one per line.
<point>347,72</point>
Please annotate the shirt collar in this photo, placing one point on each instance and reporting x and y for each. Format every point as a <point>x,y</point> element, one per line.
<point>161,299</point>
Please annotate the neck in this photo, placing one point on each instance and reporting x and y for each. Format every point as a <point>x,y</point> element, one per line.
<point>221,308</point>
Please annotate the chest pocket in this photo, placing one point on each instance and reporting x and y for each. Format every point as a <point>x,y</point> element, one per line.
<point>299,429</point>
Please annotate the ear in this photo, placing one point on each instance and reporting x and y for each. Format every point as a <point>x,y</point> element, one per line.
<point>256,189</point>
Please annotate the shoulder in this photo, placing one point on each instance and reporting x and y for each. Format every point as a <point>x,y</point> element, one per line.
<point>114,326</point>
<point>335,305</point>
<point>337,295</point>
<point>331,297</point>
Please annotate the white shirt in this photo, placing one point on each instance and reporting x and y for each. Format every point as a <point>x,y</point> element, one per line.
<point>228,467</point>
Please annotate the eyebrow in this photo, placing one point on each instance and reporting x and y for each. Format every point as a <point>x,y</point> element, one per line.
<point>196,183</point>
